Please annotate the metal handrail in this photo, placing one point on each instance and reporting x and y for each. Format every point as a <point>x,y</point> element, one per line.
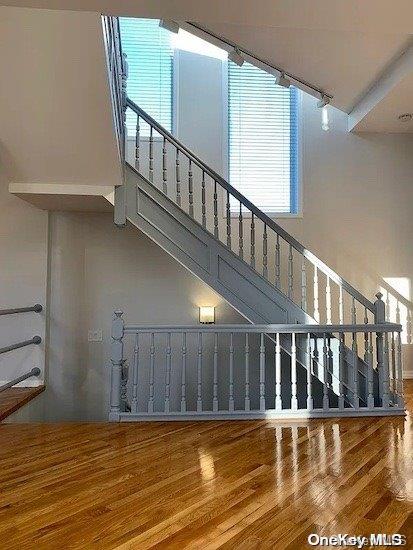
<point>35,340</point>
<point>34,372</point>
<point>37,308</point>
<point>281,329</point>
<point>254,209</point>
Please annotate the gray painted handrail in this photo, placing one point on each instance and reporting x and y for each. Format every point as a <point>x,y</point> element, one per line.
<point>35,340</point>
<point>252,208</point>
<point>281,329</point>
<point>34,372</point>
<point>37,308</point>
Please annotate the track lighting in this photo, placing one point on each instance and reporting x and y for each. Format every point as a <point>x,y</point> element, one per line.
<point>169,25</point>
<point>323,102</point>
<point>236,57</point>
<point>282,80</point>
<point>325,123</point>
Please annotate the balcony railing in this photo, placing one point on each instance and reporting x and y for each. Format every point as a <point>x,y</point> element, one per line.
<point>235,371</point>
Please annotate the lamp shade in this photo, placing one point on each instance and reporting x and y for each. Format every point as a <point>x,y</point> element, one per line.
<point>207,314</point>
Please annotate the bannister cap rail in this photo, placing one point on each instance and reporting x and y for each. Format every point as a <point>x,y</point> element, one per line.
<point>37,308</point>
<point>250,206</point>
<point>286,329</point>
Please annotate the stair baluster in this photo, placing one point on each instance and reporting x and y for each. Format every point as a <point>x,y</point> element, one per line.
<point>183,373</point>
<point>137,143</point>
<point>278,399</point>
<point>190,189</point>
<point>310,401</point>
<point>134,405</point>
<point>303,286</point>
<point>199,374</point>
<point>341,306</point>
<point>370,373</point>
<point>247,403</point>
<point>265,253</point>
<point>315,296</point>
<point>228,218</point>
<point>252,259</point>
<point>294,402</point>
<point>203,200</point>
<point>326,402</point>
<point>216,232</point>
<point>355,371</point>
<point>151,154</point>
<point>151,373</point>
<point>168,373</point>
<point>341,370</point>
<point>262,373</point>
<point>278,263</point>
<point>231,405</point>
<point>240,234</point>
<point>164,169</point>
<point>178,178</point>
<point>399,369</point>
<point>393,376</point>
<point>215,375</point>
<point>290,273</point>
<point>328,301</point>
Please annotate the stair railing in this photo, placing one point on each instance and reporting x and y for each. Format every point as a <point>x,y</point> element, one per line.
<point>227,371</point>
<point>252,235</point>
<point>36,340</point>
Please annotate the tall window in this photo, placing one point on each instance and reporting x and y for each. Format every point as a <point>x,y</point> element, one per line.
<point>263,140</point>
<point>150,60</point>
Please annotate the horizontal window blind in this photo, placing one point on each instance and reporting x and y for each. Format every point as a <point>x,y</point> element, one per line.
<point>262,139</point>
<point>150,56</point>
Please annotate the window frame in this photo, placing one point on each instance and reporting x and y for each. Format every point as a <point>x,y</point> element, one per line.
<point>225,152</point>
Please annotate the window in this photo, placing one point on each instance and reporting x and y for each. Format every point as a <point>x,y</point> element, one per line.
<point>150,59</point>
<point>262,139</point>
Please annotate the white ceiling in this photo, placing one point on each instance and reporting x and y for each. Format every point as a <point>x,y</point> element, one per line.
<point>384,116</point>
<point>342,47</point>
<point>342,63</point>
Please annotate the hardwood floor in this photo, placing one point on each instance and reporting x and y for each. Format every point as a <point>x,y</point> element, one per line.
<point>242,484</point>
<point>13,399</point>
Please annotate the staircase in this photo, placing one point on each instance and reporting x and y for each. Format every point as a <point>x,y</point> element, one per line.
<point>330,346</point>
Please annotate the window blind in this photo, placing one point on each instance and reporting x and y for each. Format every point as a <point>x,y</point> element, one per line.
<point>263,140</point>
<point>150,55</point>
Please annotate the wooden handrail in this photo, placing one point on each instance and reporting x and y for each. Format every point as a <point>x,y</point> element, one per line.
<point>269,329</point>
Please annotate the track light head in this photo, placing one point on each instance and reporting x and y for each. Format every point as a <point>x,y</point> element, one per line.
<point>323,102</point>
<point>282,80</point>
<point>169,25</point>
<point>236,57</point>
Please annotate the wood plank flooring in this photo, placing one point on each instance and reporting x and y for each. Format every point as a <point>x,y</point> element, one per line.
<point>13,399</point>
<point>204,485</point>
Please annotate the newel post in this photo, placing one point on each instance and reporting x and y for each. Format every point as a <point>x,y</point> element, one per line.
<point>382,355</point>
<point>118,327</point>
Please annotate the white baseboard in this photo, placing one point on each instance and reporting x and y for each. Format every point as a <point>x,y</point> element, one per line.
<point>408,375</point>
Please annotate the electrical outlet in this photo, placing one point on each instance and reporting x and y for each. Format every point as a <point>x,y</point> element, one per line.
<point>95,335</point>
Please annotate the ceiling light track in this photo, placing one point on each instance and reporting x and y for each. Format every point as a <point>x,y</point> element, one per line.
<point>284,78</point>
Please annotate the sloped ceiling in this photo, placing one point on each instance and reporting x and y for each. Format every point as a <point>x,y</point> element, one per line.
<point>342,47</point>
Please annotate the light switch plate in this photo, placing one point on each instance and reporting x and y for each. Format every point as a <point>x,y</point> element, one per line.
<point>95,335</point>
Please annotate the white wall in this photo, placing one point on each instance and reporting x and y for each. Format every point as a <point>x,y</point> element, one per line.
<point>55,119</point>
<point>23,281</point>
